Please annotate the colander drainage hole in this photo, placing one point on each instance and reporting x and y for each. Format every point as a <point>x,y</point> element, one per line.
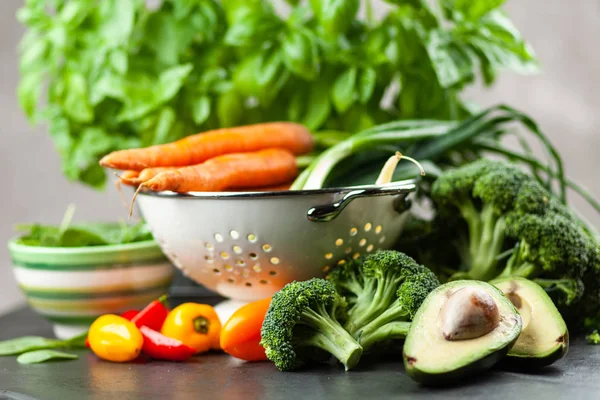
<point>218,237</point>
<point>248,284</point>
<point>231,280</point>
<point>329,256</point>
<point>274,260</point>
<point>355,256</point>
<point>216,271</point>
<point>257,268</point>
<point>267,248</point>
<point>378,229</point>
<point>368,226</point>
<point>234,234</point>
<point>252,238</point>
<point>353,231</point>
<point>382,239</point>
<point>370,248</point>
<point>339,242</point>
<point>348,250</point>
<point>240,263</point>
<point>253,256</point>
<point>263,282</point>
<point>228,267</point>
<point>341,262</point>
<point>209,246</point>
<point>272,273</point>
<point>237,249</point>
<point>224,255</point>
<point>326,268</point>
<point>362,242</point>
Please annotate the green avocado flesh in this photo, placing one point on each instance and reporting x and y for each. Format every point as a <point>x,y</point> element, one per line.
<point>430,358</point>
<point>544,338</point>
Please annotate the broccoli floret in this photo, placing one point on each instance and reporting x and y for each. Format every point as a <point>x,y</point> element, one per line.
<point>593,338</point>
<point>548,244</point>
<point>302,325</point>
<point>385,289</point>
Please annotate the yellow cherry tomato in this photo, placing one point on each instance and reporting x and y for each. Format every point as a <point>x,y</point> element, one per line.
<point>196,325</point>
<point>114,338</point>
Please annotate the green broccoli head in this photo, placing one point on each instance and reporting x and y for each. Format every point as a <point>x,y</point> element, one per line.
<point>302,325</point>
<point>391,289</point>
<point>511,225</point>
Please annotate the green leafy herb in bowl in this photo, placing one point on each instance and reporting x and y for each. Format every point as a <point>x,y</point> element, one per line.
<point>73,273</point>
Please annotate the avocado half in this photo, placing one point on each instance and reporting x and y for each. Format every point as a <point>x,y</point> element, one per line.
<point>430,358</point>
<point>544,338</point>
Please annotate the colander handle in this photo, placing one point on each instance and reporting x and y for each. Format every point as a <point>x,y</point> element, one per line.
<point>328,212</point>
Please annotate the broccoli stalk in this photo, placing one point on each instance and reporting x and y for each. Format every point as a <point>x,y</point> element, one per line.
<point>322,330</point>
<point>302,326</point>
<point>384,290</point>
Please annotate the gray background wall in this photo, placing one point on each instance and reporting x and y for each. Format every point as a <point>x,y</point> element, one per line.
<point>564,99</point>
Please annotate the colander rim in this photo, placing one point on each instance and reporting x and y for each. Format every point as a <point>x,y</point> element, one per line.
<point>405,186</point>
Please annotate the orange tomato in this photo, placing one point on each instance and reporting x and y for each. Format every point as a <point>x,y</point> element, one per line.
<point>240,336</point>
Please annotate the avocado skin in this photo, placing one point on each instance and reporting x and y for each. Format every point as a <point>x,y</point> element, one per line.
<point>531,363</point>
<point>453,377</point>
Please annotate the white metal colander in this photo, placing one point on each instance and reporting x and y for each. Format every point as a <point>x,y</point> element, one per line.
<point>248,245</point>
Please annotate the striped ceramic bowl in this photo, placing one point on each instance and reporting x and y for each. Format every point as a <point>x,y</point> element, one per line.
<point>73,286</point>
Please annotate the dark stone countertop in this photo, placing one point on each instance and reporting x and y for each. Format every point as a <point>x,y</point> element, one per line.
<point>217,376</point>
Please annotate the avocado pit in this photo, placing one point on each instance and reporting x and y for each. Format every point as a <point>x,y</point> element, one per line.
<point>469,313</point>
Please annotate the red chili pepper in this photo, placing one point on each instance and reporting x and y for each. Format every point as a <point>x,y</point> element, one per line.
<point>153,315</point>
<point>161,347</point>
<point>129,314</point>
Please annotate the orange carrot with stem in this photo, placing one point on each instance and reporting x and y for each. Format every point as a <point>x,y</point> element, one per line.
<point>198,148</point>
<point>240,170</point>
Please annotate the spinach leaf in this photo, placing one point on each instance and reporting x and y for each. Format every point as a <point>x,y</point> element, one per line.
<point>40,356</point>
<point>27,343</point>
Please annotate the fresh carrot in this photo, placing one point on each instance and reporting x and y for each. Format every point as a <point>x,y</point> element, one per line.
<point>198,148</point>
<point>241,170</point>
<point>123,178</point>
<point>143,175</point>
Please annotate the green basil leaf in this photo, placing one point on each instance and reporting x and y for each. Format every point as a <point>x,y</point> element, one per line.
<point>171,81</point>
<point>29,92</point>
<point>116,19</point>
<point>73,13</point>
<point>472,10</point>
<point>164,125</point>
<point>118,60</point>
<point>168,37</point>
<point>33,56</point>
<point>40,356</point>
<point>76,101</point>
<point>108,85</point>
<point>366,84</point>
<point>452,63</point>
<point>300,54</point>
<point>318,106</point>
<point>344,90</point>
<point>335,16</point>
<point>26,343</point>
<point>297,106</point>
<point>201,109</point>
<point>230,109</point>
